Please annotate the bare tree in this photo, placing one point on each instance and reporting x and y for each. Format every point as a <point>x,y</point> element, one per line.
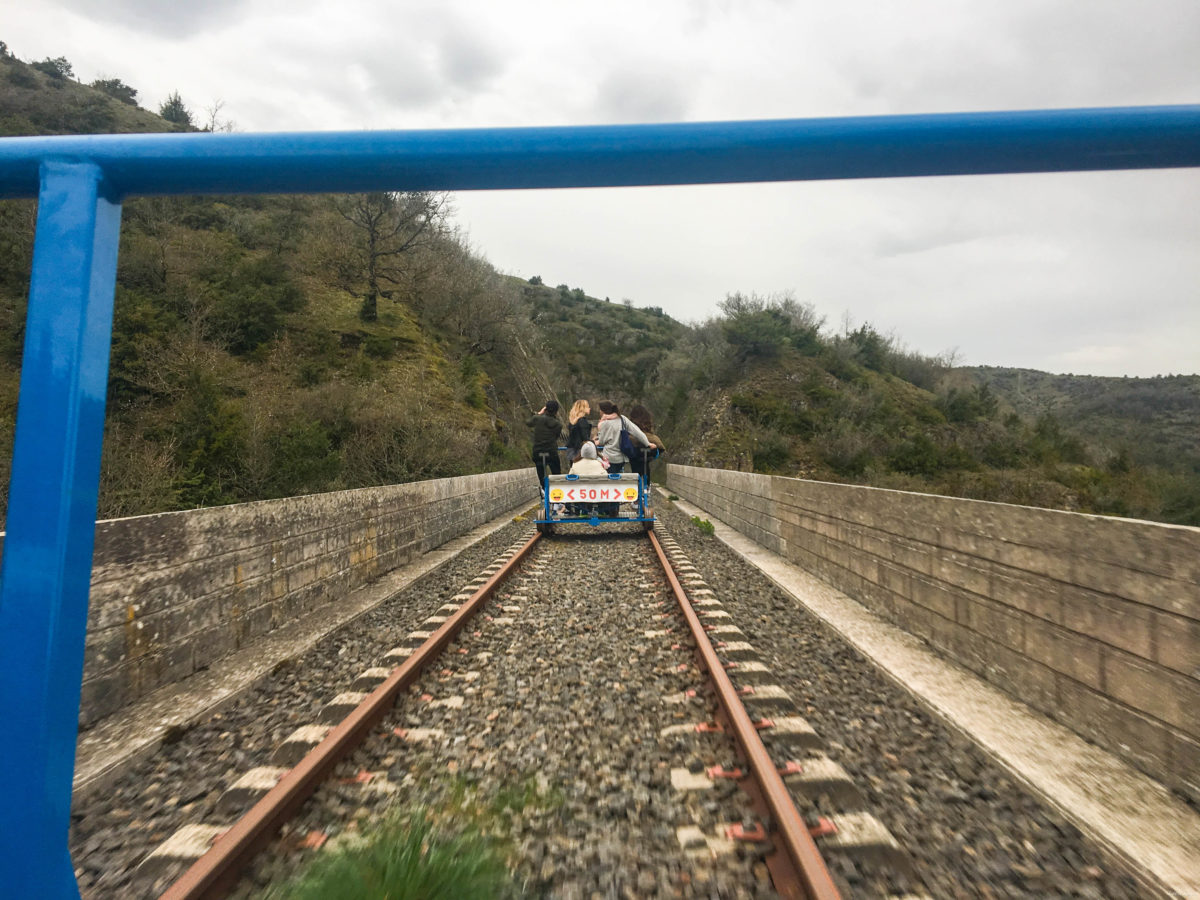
<point>464,295</point>
<point>387,226</point>
<point>215,123</point>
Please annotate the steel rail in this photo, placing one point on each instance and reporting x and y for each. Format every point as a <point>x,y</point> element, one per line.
<point>798,846</point>
<point>215,873</point>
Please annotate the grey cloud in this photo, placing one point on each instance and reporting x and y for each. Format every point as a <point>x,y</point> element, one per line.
<point>467,61</point>
<point>639,96</point>
<point>162,18</point>
<point>1106,53</point>
<point>407,68</point>
<point>920,239</point>
<point>401,78</point>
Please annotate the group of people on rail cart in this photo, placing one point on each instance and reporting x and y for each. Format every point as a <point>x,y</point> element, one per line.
<point>594,449</point>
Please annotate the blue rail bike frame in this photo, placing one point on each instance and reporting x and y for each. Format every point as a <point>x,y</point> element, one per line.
<point>80,183</point>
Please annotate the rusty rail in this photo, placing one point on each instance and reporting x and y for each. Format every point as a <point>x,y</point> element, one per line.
<point>798,871</point>
<point>214,873</point>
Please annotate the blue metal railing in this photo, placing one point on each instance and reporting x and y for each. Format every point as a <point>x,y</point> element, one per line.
<point>80,183</point>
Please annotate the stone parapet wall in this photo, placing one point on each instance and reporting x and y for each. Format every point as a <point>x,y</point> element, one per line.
<point>174,592</point>
<point>1092,620</point>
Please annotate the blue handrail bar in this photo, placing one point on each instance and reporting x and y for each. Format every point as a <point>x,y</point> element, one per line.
<point>81,181</point>
<point>621,155</point>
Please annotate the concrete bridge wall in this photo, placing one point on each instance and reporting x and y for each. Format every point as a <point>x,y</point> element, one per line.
<point>1094,621</point>
<point>172,593</point>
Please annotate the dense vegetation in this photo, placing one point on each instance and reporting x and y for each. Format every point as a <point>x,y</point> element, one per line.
<point>271,346</point>
<point>764,388</point>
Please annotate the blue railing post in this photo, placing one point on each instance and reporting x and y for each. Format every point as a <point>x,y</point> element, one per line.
<point>51,522</point>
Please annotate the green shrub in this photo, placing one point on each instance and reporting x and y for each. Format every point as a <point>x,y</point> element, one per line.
<point>57,69</point>
<point>706,527</point>
<point>916,456</point>
<point>19,77</point>
<point>405,859</point>
<point>304,459</point>
<point>379,346</point>
<point>770,452</point>
<point>968,406</point>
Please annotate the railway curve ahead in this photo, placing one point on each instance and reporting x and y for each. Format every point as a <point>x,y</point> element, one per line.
<point>578,689</point>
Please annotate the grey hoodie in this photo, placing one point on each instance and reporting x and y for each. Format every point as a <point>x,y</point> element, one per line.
<point>609,434</point>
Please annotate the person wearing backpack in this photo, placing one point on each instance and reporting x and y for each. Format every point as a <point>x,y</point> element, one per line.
<point>608,434</point>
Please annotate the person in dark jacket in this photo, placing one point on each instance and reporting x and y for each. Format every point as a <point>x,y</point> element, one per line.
<point>546,432</point>
<point>581,429</point>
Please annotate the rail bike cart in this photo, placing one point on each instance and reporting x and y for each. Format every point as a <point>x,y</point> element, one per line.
<point>580,499</point>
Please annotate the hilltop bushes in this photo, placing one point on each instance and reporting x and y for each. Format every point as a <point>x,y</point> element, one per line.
<point>786,398</point>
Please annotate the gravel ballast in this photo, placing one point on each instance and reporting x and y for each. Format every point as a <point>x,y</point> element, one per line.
<point>970,828</point>
<point>561,693</point>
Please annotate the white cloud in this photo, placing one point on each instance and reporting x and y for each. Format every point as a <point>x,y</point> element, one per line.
<point>1046,271</point>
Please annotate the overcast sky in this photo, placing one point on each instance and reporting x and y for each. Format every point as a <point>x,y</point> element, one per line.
<point>1095,273</point>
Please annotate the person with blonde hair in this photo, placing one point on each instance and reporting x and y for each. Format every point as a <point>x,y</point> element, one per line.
<point>581,429</point>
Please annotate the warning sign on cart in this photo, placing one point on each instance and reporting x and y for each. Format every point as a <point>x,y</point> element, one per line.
<point>593,493</point>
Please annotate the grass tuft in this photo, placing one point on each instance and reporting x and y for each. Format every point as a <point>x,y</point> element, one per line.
<point>406,858</point>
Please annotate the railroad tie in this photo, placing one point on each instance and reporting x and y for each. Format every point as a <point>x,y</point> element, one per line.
<point>750,672</point>
<point>397,655</point>
<point>297,744</point>
<point>340,706</point>
<point>249,789</point>
<point>370,679</point>
<point>178,851</point>
<point>816,775</point>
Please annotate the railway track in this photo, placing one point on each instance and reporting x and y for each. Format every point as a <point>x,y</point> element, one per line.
<point>680,746</point>
<point>579,686</point>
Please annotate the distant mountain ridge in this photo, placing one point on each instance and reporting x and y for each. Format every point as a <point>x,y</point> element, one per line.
<point>1155,420</point>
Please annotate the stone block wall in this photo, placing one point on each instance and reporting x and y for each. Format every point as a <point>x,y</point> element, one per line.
<point>172,593</point>
<point>1093,620</point>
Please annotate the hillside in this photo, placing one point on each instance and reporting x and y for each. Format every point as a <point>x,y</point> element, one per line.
<point>43,98</point>
<point>272,346</point>
<point>1155,421</point>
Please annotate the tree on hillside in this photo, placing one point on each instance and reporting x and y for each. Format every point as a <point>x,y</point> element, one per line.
<point>117,89</point>
<point>174,110</point>
<point>762,326</point>
<point>387,226</point>
<point>463,295</point>
<point>57,68</point>
<point>215,123</point>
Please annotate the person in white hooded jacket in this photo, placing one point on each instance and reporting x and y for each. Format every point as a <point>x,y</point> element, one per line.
<point>589,461</point>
